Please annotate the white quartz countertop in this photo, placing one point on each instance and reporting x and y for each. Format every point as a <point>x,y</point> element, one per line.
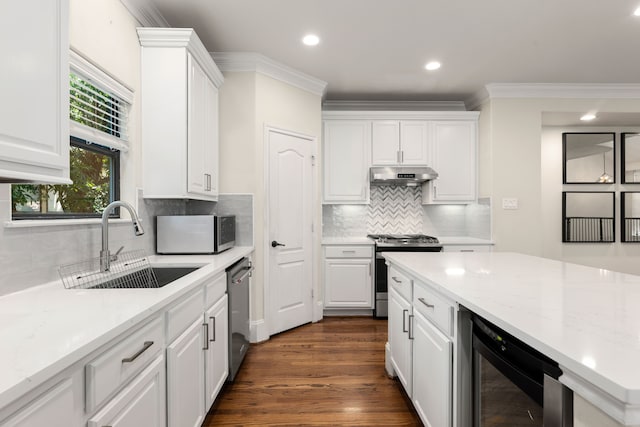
<point>587,319</point>
<point>45,329</point>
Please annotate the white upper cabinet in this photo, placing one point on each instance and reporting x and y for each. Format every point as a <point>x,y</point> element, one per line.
<point>180,144</point>
<point>346,161</point>
<point>400,143</point>
<point>34,117</point>
<point>454,158</point>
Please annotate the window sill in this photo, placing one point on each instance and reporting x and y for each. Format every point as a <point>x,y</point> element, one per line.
<point>27,223</point>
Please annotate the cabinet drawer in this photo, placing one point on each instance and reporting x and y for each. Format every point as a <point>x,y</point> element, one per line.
<point>181,315</point>
<point>348,252</point>
<point>114,367</point>
<point>215,289</point>
<point>400,282</point>
<point>434,307</point>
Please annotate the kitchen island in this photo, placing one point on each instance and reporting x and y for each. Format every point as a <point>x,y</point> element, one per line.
<point>586,319</point>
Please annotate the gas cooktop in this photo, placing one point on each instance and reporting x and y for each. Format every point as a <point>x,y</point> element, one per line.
<point>392,240</point>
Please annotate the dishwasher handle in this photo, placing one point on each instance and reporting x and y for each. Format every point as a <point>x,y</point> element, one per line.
<point>247,272</point>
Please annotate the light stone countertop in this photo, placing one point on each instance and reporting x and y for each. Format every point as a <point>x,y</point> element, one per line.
<point>45,329</point>
<point>587,319</point>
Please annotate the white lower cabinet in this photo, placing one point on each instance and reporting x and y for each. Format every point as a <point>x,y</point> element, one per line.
<point>217,355</point>
<point>432,373</point>
<point>400,317</point>
<point>421,346</point>
<point>348,277</point>
<point>185,378</point>
<point>55,408</point>
<point>142,402</point>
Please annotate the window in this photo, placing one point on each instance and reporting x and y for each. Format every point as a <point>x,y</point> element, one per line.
<point>98,111</point>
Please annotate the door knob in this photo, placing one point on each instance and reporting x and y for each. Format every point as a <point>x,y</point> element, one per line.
<point>275,243</point>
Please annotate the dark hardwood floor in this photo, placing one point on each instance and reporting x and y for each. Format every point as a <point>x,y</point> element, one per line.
<point>326,373</point>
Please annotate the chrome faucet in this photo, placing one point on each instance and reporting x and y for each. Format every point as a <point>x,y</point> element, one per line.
<point>105,256</point>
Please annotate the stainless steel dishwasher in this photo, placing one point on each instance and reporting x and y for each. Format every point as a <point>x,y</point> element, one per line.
<point>238,291</point>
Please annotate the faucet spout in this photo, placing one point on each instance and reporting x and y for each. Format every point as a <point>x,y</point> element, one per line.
<point>105,256</point>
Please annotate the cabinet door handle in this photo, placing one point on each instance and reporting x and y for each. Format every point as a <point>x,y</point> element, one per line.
<point>395,279</point>
<point>213,328</point>
<point>206,336</point>
<point>426,303</point>
<point>404,320</point>
<point>398,156</point>
<point>144,348</point>
<point>401,156</point>
<point>411,326</point>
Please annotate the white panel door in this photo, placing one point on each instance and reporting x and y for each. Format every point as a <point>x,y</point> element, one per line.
<point>432,373</point>
<point>454,151</point>
<point>348,283</point>
<point>217,355</point>
<point>34,112</point>
<point>414,143</point>
<point>197,129</point>
<point>290,233</point>
<point>400,317</point>
<point>385,142</point>
<point>347,152</point>
<point>185,378</point>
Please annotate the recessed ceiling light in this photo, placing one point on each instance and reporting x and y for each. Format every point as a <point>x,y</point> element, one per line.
<point>433,65</point>
<point>311,40</point>
<point>587,117</point>
<point>637,12</point>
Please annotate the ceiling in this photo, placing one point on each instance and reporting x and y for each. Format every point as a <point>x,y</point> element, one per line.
<point>377,49</point>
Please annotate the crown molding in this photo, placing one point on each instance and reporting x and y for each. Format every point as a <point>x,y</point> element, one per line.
<point>399,115</point>
<point>258,63</point>
<point>393,106</point>
<point>182,38</point>
<point>564,90</point>
<point>145,12</point>
<point>477,99</point>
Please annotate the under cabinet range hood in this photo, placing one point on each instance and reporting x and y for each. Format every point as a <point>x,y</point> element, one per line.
<point>401,175</point>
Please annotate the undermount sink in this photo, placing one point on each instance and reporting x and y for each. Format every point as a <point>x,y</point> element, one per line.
<point>164,276</point>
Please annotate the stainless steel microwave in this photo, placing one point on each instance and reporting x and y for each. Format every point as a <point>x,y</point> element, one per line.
<point>195,234</point>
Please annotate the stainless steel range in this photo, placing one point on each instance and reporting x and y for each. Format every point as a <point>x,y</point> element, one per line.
<point>395,243</point>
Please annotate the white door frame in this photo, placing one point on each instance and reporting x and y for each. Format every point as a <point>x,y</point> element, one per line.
<point>316,302</point>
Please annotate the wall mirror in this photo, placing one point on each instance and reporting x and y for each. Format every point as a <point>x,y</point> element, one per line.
<point>630,150</point>
<point>588,216</point>
<point>630,211</point>
<point>588,158</point>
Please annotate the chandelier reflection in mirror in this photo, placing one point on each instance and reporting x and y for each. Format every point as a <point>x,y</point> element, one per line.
<point>605,177</point>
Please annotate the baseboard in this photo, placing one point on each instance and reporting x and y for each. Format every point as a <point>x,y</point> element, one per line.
<point>348,312</point>
<point>259,331</point>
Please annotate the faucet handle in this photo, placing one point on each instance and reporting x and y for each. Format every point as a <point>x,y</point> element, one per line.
<point>114,257</point>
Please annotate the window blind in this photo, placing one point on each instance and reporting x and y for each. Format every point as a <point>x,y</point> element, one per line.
<point>97,110</point>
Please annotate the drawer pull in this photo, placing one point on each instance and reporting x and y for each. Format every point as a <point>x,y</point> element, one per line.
<point>144,348</point>
<point>404,320</point>
<point>411,326</point>
<point>206,336</point>
<point>349,252</point>
<point>395,279</point>
<point>426,303</point>
<point>467,250</point>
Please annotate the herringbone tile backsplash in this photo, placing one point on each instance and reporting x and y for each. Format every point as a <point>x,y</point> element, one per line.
<point>395,210</point>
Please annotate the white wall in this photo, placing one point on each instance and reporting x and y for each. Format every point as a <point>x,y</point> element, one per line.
<point>517,162</point>
<point>249,102</point>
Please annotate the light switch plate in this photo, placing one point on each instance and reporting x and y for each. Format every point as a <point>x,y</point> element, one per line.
<point>509,203</point>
